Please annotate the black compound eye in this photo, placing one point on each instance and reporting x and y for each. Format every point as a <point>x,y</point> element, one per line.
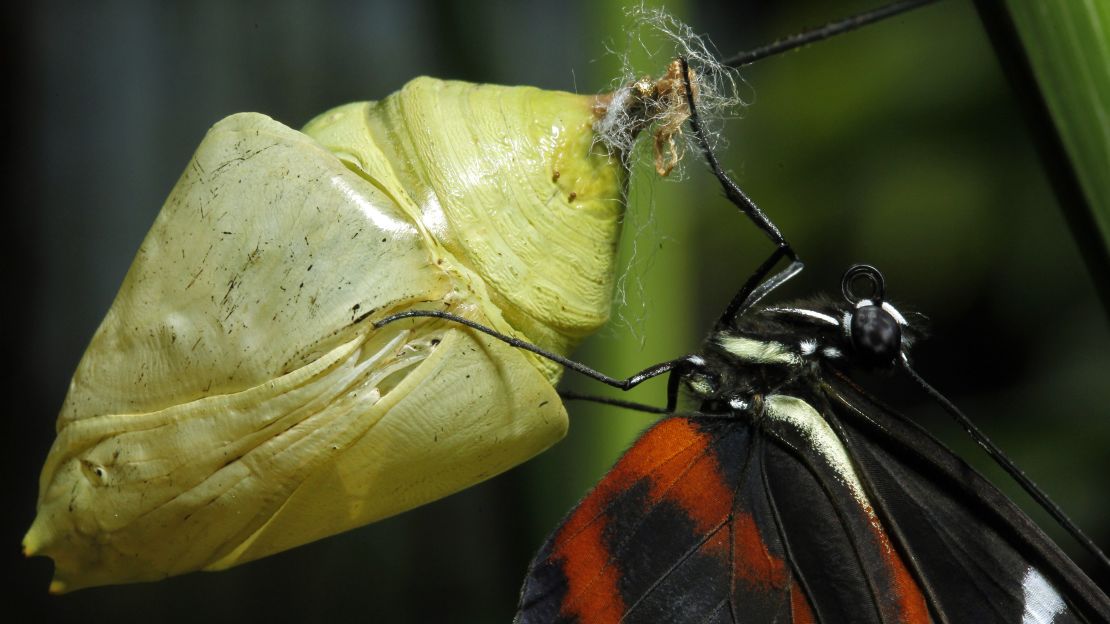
<point>876,336</point>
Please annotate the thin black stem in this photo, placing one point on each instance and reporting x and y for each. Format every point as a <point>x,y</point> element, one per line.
<point>824,32</point>
<point>1009,466</point>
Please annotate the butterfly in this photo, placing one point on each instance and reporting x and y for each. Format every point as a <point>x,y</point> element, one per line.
<point>791,494</point>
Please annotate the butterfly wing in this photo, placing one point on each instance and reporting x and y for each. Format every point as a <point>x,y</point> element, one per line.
<point>979,557</point>
<point>654,539</point>
<point>711,519</point>
<point>718,519</point>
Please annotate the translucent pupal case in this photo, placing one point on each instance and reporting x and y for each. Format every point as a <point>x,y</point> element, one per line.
<point>237,401</point>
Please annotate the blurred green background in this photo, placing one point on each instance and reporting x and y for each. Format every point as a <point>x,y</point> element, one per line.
<point>898,145</point>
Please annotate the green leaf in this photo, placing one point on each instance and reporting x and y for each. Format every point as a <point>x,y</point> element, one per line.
<point>1068,46</point>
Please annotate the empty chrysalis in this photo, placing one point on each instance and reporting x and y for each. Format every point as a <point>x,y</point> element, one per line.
<point>237,401</point>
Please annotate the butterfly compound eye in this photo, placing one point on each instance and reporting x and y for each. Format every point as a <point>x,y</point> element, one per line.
<point>876,335</point>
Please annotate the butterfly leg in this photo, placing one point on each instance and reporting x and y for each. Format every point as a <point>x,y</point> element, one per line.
<point>759,284</point>
<point>568,395</point>
<point>684,368</point>
<point>683,363</point>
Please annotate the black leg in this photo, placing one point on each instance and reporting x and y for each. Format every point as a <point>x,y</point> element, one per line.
<point>672,389</point>
<point>758,285</point>
<point>631,405</point>
<point>732,190</point>
<point>623,384</point>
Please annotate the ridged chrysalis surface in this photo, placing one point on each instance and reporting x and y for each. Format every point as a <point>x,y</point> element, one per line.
<point>236,400</point>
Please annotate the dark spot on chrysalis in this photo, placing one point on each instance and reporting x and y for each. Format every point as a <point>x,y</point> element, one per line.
<point>95,473</point>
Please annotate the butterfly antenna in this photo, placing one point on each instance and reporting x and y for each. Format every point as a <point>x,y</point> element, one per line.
<point>1018,475</point>
<point>831,29</point>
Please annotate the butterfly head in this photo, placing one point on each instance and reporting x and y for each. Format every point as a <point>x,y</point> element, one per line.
<point>861,329</point>
<point>873,327</point>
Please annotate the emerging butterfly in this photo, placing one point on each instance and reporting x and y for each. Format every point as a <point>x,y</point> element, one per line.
<point>791,495</point>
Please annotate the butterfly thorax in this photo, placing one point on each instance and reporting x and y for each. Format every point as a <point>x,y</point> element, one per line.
<point>788,349</point>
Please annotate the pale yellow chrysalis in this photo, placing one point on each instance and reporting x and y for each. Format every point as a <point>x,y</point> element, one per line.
<point>236,401</point>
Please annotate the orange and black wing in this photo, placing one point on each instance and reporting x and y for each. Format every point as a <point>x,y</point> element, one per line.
<point>731,520</point>
<point>711,520</point>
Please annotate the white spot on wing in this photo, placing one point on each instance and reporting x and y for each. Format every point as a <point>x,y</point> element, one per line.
<point>1042,602</point>
<point>807,347</point>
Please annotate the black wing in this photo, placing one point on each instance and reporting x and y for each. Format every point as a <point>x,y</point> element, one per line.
<point>977,556</point>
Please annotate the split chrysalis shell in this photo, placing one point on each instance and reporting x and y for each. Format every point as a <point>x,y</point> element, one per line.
<point>236,400</point>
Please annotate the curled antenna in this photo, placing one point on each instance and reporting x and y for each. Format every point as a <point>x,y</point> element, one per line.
<point>867,273</point>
